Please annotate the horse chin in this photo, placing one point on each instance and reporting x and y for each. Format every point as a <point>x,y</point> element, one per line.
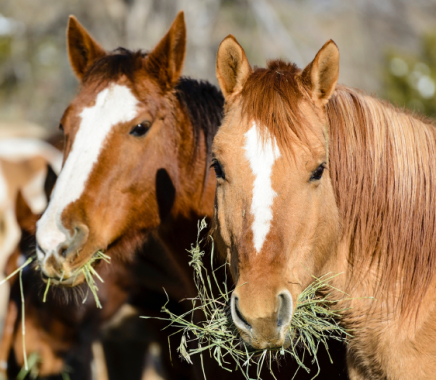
<point>254,345</point>
<point>70,282</point>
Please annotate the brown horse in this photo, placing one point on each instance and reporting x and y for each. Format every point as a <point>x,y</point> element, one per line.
<point>136,168</point>
<point>324,178</point>
<point>137,138</point>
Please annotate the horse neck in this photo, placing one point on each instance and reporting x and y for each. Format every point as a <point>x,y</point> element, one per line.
<point>380,165</point>
<point>195,191</point>
<point>195,188</point>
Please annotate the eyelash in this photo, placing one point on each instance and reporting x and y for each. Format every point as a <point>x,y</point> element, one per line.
<point>318,172</point>
<point>219,172</point>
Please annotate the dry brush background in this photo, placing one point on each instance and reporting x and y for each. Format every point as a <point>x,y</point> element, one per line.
<point>36,83</point>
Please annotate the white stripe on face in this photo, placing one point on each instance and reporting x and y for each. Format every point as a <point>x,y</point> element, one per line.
<point>261,157</point>
<point>115,104</point>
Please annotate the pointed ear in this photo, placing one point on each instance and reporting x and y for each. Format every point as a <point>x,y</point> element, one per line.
<point>82,49</point>
<point>166,60</point>
<point>322,74</point>
<point>232,67</point>
<point>26,219</point>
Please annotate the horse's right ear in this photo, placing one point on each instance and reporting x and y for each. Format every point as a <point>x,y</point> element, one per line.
<point>26,219</point>
<point>232,67</point>
<point>165,62</point>
<point>82,49</point>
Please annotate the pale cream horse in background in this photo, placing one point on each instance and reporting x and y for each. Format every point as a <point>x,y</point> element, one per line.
<point>23,167</point>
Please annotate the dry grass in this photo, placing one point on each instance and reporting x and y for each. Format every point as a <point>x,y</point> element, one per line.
<point>88,272</point>
<point>315,321</point>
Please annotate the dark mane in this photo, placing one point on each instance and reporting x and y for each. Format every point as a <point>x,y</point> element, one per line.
<point>204,104</point>
<point>117,63</point>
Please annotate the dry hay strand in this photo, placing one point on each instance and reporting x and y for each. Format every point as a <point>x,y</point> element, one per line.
<point>88,272</point>
<point>314,322</point>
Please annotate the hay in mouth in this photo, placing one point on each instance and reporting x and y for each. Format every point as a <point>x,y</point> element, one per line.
<point>315,321</point>
<point>88,272</point>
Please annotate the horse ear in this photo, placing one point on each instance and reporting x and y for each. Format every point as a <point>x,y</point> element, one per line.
<point>82,49</point>
<point>322,74</point>
<point>166,60</point>
<point>26,219</point>
<point>232,67</point>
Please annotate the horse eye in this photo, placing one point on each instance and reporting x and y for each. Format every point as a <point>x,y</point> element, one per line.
<point>218,169</point>
<point>317,174</point>
<point>61,127</point>
<point>141,129</point>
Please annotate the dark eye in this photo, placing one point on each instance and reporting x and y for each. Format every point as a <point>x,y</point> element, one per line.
<point>317,174</point>
<point>141,129</point>
<point>61,127</point>
<point>218,169</point>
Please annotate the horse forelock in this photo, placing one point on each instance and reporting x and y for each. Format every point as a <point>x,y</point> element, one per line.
<point>272,98</point>
<point>381,161</point>
<point>119,62</point>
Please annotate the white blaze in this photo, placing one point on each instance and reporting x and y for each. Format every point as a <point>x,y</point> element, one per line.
<point>113,105</point>
<point>261,156</point>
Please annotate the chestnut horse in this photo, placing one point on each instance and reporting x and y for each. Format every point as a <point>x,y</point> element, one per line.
<point>137,138</point>
<point>324,178</point>
<point>136,168</point>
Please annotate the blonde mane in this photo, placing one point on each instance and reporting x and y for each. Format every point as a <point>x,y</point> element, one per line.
<point>381,166</point>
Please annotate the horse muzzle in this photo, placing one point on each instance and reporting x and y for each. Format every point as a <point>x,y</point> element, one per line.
<point>268,331</point>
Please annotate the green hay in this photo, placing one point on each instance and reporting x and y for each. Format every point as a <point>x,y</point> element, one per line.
<point>23,325</point>
<point>46,290</point>
<point>23,321</point>
<point>89,272</point>
<point>32,369</point>
<point>34,362</point>
<point>28,261</point>
<point>313,323</point>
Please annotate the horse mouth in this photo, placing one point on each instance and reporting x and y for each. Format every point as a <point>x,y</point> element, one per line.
<point>76,278</point>
<point>257,351</point>
<point>78,275</point>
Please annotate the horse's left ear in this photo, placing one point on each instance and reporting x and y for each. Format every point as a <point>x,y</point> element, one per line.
<point>322,74</point>
<point>82,49</point>
<point>166,60</point>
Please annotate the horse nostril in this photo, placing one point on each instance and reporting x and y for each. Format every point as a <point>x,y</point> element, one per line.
<point>39,248</point>
<point>63,252</point>
<point>285,309</point>
<point>238,318</point>
<point>76,242</point>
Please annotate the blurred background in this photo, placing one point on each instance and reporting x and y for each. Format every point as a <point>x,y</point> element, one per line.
<point>388,47</point>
